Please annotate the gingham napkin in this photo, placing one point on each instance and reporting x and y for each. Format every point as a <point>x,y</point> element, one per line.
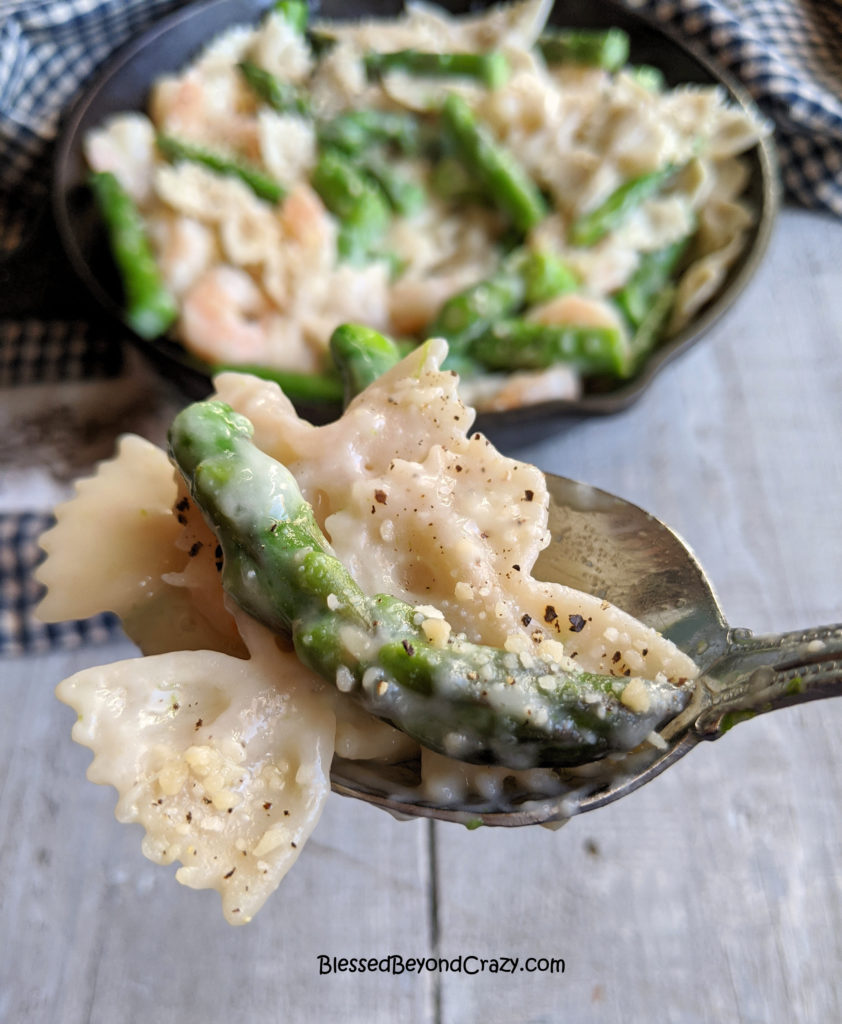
<point>20,631</point>
<point>787,53</point>
<point>49,49</point>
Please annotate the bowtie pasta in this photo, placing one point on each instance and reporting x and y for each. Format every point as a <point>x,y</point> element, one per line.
<point>547,207</point>
<point>218,740</point>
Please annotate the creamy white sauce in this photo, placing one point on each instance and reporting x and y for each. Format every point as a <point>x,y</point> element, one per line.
<point>461,513</point>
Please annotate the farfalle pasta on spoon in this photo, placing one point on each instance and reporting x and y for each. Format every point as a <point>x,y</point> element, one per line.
<point>218,738</point>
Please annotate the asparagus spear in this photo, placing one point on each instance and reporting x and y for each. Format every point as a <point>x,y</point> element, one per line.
<point>468,314</point>
<point>490,69</point>
<point>261,184</point>
<point>356,131</point>
<point>653,272</point>
<point>284,97</point>
<point>467,700</point>
<point>601,48</point>
<point>451,181</point>
<point>502,177</point>
<point>526,345</point>
<point>592,226</point>
<point>361,355</point>
<point>405,196</point>
<point>295,12</point>
<point>647,77</point>
<point>357,202</point>
<point>651,327</point>
<point>544,275</point>
<point>525,277</point>
<point>150,309</point>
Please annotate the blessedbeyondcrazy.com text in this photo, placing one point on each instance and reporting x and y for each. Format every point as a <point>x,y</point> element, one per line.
<point>394,963</point>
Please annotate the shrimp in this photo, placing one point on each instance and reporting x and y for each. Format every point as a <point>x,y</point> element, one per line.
<point>305,220</point>
<point>206,110</point>
<point>221,316</point>
<point>582,310</point>
<point>296,273</point>
<point>226,318</point>
<point>497,392</point>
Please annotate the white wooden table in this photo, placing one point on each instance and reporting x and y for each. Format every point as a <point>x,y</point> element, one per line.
<point>712,895</point>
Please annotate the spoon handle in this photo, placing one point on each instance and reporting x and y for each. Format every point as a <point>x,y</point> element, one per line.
<point>761,673</point>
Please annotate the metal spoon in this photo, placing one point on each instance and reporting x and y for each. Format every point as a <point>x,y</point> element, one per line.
<point>609,547</point>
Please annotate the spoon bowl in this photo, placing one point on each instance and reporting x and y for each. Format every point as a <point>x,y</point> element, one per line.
<point>609,547</point>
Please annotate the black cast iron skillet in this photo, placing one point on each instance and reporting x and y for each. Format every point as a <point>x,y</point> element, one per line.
<point>124,83</point>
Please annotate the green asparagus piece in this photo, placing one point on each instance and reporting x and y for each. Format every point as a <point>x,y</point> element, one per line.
<point>259,182</point>
<point>450,180</point>
<point>284,97</point>
<point>356,131</point>
<point>319,388</point>
<point>648,77</point>
<point>601,48</point>
<point>490,69</point>
<point>321,39</point>
<point>295,12</point>
<point>363,135</point>
<point>471,312</point>
<point>507,184</point>
<point>462,363</point>
<point>651,328</point>
<point>474,702</point>
<point>355,243</point>
<point>609,215</point>
<point>397,264</point>
<point>525,277</point>
<point>358,203</point>
<point>362,355</point>
<point>405,196</point>
<point>150,309</point>
<point>544,275</point>
<point>526,345</point>
<point>652,275</point>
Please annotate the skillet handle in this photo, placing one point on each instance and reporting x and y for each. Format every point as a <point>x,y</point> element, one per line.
<point>757,674</point>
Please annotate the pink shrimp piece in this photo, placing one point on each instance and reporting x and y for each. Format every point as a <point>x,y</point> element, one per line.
<point>575,309</point>
<point>304,218</point>
<point>193,109</point>
<point>224,317</point>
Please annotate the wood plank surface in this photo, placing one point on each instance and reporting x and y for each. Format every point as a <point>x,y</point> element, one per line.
<point>715,893</point>
<point>712,895</point>
<point>94,932</point>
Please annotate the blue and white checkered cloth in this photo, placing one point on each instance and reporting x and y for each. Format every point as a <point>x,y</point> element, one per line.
<point>49,49</point>
<point>786,53</point>
<point>20,631</point>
